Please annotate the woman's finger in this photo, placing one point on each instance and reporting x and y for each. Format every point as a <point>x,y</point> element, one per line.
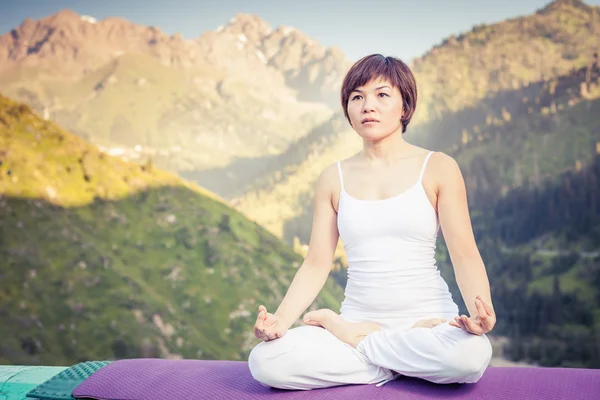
<point>271,334</point>
<point>259,326</point>
<point>268,320</point>
<point>480,308</point>
<point>259,333</point>
<point>488,323</point>
<point>264,334</point>
<point>487,307</point>
<point>463,321</point>
<point>460,323</point>
<point>472,326</point>
<point>454,323</point>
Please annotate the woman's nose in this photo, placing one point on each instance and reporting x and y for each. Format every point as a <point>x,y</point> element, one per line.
<point>367,106</point>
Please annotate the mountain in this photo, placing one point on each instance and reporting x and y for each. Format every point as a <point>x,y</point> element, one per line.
<point>106,259</point>
<point>244,90</point>
<point>314,71</point>
<point>490,59</point>
<point>522,137</point>
<point>73,45</point>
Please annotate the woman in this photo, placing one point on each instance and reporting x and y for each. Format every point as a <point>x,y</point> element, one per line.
<point>387,203</point>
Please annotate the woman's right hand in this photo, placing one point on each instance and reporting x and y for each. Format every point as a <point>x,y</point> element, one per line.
<point>268,326</point>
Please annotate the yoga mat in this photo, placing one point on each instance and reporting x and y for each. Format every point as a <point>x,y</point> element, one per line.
<point>60,386</point>
<point>17,380</point>
<point>158,379</point>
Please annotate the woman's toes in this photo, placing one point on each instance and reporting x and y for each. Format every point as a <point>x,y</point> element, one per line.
<point>420,324</point>
<point>318,317</point>
<point>311,318</point>
<point>428,323</point>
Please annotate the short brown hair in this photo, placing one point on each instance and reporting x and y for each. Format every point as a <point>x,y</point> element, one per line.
<point>389,68</point>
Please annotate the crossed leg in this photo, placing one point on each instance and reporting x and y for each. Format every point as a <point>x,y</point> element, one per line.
<point>310,357</point>
<point>442,354</point>
<point>353,332</point>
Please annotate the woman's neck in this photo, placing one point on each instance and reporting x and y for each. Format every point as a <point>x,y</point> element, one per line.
<point>387,150</point>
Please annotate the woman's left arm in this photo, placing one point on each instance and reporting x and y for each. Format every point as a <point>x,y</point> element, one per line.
<point>469,269</point>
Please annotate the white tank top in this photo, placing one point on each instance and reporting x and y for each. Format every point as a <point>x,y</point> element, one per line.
<point>390,247</point>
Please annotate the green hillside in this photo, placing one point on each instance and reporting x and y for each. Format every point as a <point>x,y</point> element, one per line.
<point>492,58</point>
<point>103,259</point>
<point>522,137</point>
<point>542,250</point>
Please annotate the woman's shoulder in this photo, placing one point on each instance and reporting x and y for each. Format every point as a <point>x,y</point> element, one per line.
<point>441,159</point>
<point>443,167</point>
<point>423,151</point>
<point>329,176</point>
<point>341,166</point>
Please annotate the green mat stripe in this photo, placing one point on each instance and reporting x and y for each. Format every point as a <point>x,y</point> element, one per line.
<point>60,386</point>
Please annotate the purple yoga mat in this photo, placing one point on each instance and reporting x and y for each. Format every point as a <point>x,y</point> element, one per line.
<point>158,379</point>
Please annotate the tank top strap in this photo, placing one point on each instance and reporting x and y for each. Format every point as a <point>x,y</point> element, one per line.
<point>424,164</point>
<point>339,165</point>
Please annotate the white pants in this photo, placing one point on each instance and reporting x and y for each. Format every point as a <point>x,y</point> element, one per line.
<point>310,357</point>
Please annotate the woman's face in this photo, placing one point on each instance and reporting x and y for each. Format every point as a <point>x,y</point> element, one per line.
<point>379,101</point>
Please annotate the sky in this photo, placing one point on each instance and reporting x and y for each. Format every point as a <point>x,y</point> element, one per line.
<point>400,28</point>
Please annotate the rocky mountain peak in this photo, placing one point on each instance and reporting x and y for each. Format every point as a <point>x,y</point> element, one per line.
<point>307,66</point>
<point>562,5</point>
<point>288,48</point>
<point>66,16</point>
<point>248,27</point>
<point>81,43</point>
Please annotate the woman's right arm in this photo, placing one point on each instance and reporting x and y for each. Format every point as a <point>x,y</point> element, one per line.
<point>312,274</point>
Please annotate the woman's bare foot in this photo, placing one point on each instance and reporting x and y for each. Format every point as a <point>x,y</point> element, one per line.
<point>428,323</point>
<point>348,332</point>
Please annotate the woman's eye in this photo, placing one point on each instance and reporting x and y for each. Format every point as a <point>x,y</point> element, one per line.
<point>385,94</point>
<point>355,97</point>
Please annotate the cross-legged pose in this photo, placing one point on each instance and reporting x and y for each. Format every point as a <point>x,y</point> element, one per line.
<point>387,204</point>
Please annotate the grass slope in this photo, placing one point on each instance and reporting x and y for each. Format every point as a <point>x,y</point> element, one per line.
<point>103,259</point>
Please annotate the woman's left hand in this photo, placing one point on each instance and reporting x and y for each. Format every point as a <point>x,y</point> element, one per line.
<point>478,324</point>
